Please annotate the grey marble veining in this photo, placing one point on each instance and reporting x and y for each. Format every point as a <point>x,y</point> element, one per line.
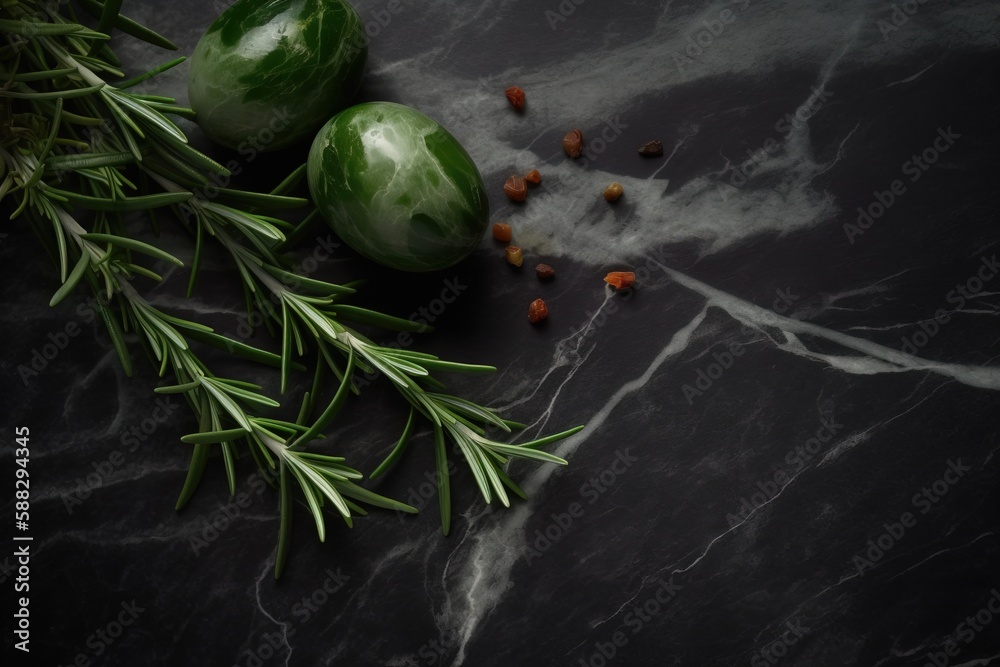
<point>791,448</point>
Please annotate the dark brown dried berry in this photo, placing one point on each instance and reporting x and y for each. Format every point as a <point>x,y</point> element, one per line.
<point>653,148</point>
<point>573,143</point>
<point>516,189</point>
<point>545,272</point>
<point>515,96</point>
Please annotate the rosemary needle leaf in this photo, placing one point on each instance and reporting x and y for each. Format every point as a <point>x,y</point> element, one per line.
<point>72,280</point>
<point>230,465</point>
<point>52,94</point>
<point>150,74</point>
<point>90,161</point>
<point>400,447</point>
<point>311,500</point>
<point>108,16</point>
<point>240,349</point>
<point>117,335</point>
<point>301,282</point>
<point>38,28</point>
<point>364,495</point>
<point>331,410</point>
<point>140,203</point>
<point>370,317</point>
<point>470,409</point>
<point>525,452</point>
<point>511,484</point>
<point>132,244</point>
<point>291,181</point>
<point>177,388</point>
<point>444,483</point>
<point>260,200</point>
<point>213,437</point>
<point>199,457</point>
<point>541,442</point>
<point>286,347</point>
<point>95,8</point>
<point>44,74</point>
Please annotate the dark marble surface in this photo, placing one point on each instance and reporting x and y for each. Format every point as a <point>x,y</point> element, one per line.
<point>788,459</point>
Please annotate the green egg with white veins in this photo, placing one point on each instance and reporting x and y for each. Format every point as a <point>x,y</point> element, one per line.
<point>397,187</point>
<point>268,73</point>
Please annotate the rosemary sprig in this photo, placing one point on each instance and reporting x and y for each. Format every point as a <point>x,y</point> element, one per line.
<point>70,140</point>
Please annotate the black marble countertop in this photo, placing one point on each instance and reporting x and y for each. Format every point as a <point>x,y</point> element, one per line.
<point>790,452</point>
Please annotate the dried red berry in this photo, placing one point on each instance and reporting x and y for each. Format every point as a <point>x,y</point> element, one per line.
<point>573,143</point>
<point>516,189</point>
<point>533,176</point>
<point>545,272</point>
<point>620,279</point>
<point>515,96</point>
<point>537,311</point>
<point>502,232</point>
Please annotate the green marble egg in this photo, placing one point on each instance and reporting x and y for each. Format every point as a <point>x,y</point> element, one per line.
<point>270,72</point>
<point>397,187</point>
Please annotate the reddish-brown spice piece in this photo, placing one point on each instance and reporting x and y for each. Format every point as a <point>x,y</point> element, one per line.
<point>545,272</point>
<point>514,255</point>
<point>620,279</point>
<point>516,189</point>
<point>537,311</point>
<point>573,143</point>
<point>534,177</point>
<point>515,96</point>
<point>652,148</point>
<point>613,192</point>
<point>502,232</point>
